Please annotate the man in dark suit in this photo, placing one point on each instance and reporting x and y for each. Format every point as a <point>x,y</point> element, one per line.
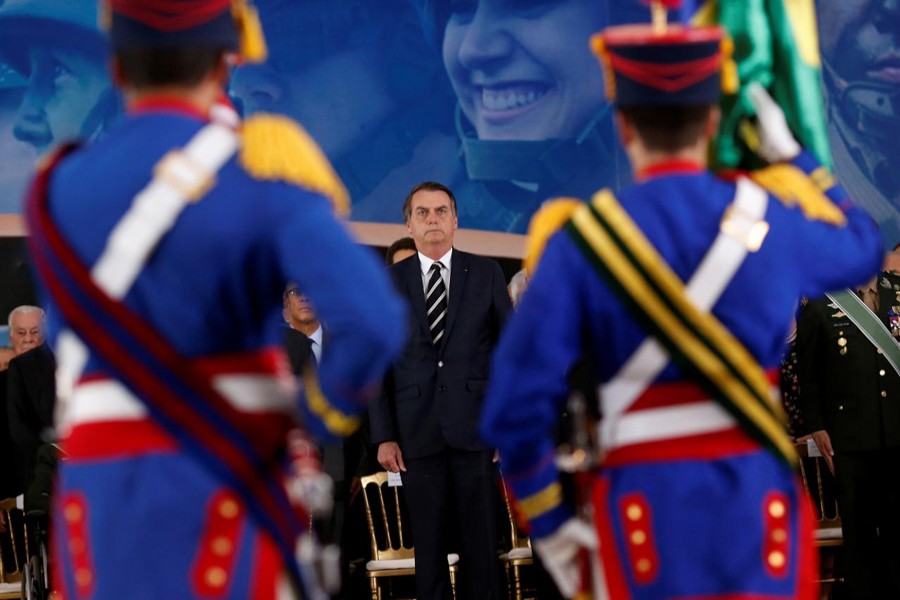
<point>30,391</point>
<point>344,461</point>
<point>850,400</point>
<point>426,422</point>
<point>302,323</point>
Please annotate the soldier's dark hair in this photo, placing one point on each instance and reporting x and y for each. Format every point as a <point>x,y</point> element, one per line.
<point>430,186</point>
<point>147,68</point>
<point>668,128</point>
<point>404,243</point>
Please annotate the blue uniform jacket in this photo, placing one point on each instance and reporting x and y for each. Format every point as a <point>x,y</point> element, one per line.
<point>568,304</point>
<point>211,288</point>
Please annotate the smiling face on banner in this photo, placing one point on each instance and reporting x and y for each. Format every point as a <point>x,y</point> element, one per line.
<point>523,71</point>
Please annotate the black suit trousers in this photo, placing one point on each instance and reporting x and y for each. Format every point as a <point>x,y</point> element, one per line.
<point>868,489</point>
<point>455,488</point>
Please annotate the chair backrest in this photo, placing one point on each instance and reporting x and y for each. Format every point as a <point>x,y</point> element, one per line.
<point>12,543</point>
<point>819,483</point>
<point>516,539</point>
<point>385,515</point>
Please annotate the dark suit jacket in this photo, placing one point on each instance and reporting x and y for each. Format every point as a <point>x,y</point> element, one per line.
<point>296,346</point>
<point>9,474</point>
<point>432,399</point>
<point>342,461</point>
<point>31,395</point>
<point>854,396</point>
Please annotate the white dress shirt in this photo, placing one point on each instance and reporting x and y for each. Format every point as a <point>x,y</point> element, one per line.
<point>316,344</point>
<point>426,263</point>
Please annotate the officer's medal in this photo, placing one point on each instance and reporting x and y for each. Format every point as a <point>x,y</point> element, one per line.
<point>894,321</point>
<point>842,343</point>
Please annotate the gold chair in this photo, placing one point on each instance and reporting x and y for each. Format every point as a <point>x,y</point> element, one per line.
<point>12,551</point>
<point>818,481</point>
<point>392,554</point>
<point>519,554</point>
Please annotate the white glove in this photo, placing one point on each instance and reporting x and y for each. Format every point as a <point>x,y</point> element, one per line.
<point>559,550</point>
<point>776,142</point>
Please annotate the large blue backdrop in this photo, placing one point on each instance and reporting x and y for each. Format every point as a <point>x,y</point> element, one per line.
<point>499,99</point>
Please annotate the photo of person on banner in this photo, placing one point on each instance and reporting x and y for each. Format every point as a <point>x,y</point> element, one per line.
<point>531,118</point>
<point>58,53</point>
<point>359,75</point>
<point>860,44</point>
<point>59,49</point>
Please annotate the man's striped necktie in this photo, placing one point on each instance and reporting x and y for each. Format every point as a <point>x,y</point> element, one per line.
<point>436,304</point>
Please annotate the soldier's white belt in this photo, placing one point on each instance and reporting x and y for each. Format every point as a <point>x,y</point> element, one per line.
<point>666,423</point>
<point>100,400</point>
<point>742,221</point>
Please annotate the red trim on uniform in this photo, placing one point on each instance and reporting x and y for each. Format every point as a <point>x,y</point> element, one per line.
<point>93,378</point>
<point>102,440</point>
<point>807,553</point>
<point>219,544</point>
<point>264,361</point>
<point>267,430</point>
<point>645,35</point>
<point>105,440</point>
<point>267,361</point>
<point>776,534</point>
<point>637,520</point>
<point>674,393</point>
<point>740,596</point>
<point>57,557</point>
<point>670,167</point>
<point>266,569</point>
<point>77,542</point>
<point>611,562</point>
<point>668,78</point>
<point>732,174</point>
<point>708,446</point>
<point>166,103</point>
<point>170,15</point>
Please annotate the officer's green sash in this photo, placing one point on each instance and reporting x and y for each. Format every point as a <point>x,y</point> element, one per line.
<point>869,323</point>
<point>633,268</point>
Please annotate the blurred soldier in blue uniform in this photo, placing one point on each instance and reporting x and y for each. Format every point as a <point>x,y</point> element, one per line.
<point>680,291</point>
<point>164,248</point>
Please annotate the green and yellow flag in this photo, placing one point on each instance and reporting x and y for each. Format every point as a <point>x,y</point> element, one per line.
<point>776,44</point>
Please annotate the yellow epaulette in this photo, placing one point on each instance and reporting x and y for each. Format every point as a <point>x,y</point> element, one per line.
<point>275,147</point>
<point>549,219</point>
<point>793,187</point>
<point>252,45</point>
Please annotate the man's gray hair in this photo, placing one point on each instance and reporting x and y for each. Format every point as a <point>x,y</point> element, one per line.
<point>25,309</point>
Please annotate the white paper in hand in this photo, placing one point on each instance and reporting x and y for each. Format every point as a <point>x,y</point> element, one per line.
<point>811,448</point>
<point>394,479</point>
